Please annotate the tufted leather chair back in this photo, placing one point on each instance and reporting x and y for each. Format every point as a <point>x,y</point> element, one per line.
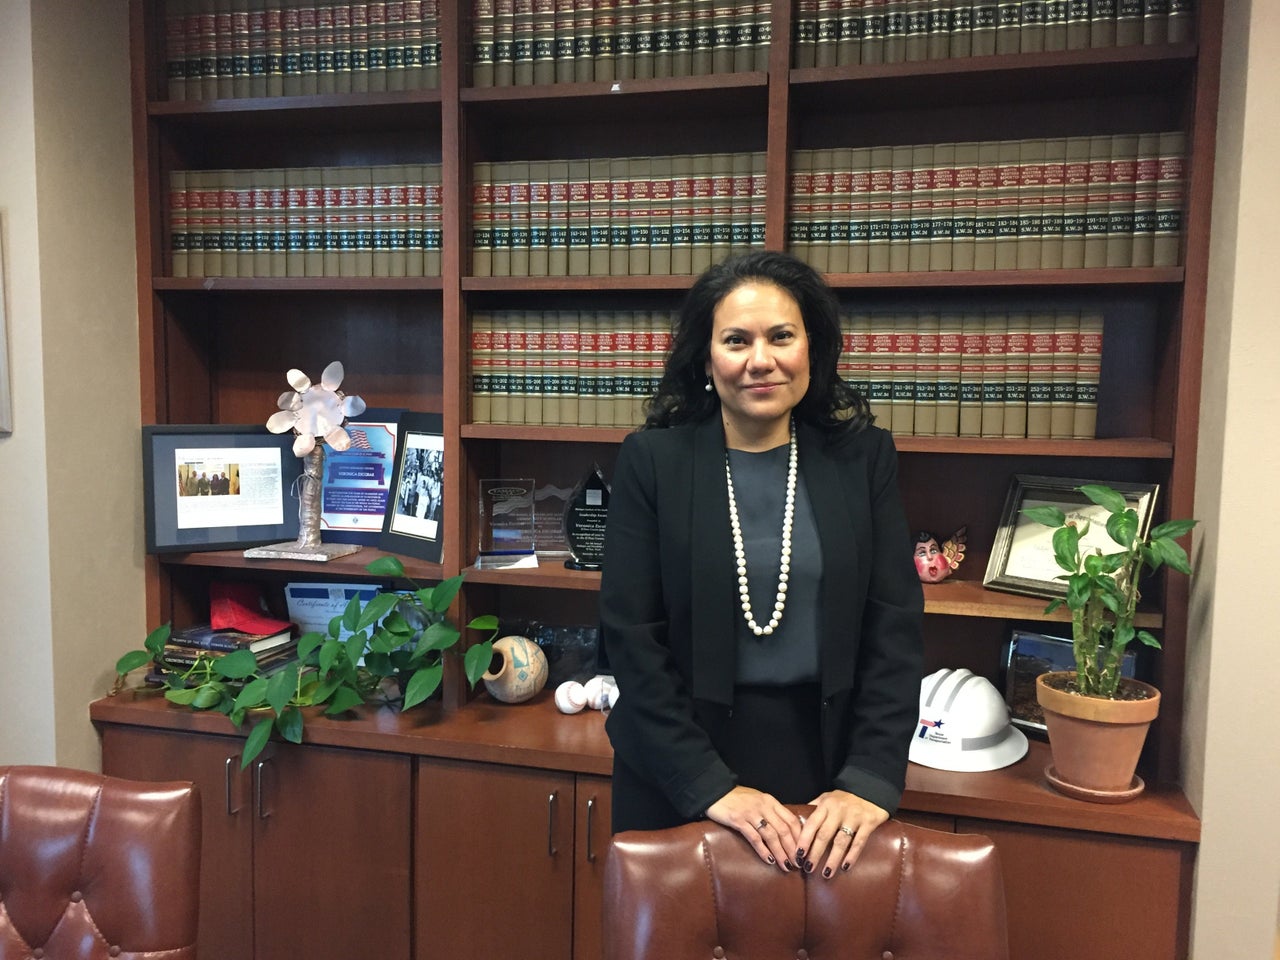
<point>94,867</point>
<point>699,892</point>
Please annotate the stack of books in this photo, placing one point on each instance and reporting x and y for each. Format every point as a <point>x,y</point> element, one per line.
<point>379,221</point>
<point>566,367</point>
<point>1044,203</point>
<point>220,49</point>
<point>534,42</point>
<point>831,33</point>
<point>1020,374</point>
<point>619,216</point>
<point>273,651</point>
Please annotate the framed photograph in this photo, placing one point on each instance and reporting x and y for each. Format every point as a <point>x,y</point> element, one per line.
<point>1022,554</point>
<point>1026,657</point>
<point>412,524</point>
<point>210,487</point>
<point>357,481</point>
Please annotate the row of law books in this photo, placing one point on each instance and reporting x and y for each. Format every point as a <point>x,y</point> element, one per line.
<point>830,33</point>
<point>220,49</point>
<point>533,42</point>
<point>379,221</point>
<point>583,368</point>
<point>1098,201</point>
<point>620,216</point>
<point>1016,374</point>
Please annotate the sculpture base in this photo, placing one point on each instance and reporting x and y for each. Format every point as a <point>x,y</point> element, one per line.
<point>320,553</point>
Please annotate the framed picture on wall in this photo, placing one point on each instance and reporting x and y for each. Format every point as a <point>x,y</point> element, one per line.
<point>212,487</point>
<point>1022,559</point>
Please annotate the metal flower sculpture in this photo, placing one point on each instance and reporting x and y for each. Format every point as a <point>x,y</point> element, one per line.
<point>316,413</point>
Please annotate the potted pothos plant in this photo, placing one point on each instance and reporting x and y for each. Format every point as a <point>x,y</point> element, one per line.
<point>393,654</point>
<point>1097,719</point>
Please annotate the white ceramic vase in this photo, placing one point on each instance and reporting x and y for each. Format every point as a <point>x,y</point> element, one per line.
<point>522,672</point>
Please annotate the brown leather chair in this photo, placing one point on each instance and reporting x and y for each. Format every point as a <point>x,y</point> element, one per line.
<point>699,891</point>
<point>97,867</point>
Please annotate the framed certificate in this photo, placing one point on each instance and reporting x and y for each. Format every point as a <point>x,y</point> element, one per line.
<point>209,487</point>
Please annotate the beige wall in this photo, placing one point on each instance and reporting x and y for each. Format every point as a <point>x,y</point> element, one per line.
<point>1230,768</point>
<point>71,595</point>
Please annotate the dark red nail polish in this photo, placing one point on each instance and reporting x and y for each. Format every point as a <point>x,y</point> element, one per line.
<point>771,860</point>
<point>788,864</point>
<point>808,866</point>
<point>800,855</point>
<point>844,867</point>
<point>826,872</point>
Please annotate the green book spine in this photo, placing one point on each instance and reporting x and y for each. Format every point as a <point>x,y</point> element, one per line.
<point>521,217</point>
<point>558,218</point>
<point>579,218</point>
<point>921,207</point>
<point>900,209</point>
<point>1088,376</point>
<point>1066,348</point>
<point>179,224</point>
<point>972,345</point>
<point>926,375</point>
<point>859,209</point>
<point>994,373</point>
<point>1075,202</point>
<point>950,332</point>
<point>1170,186</point>
<point>906,345</point>
<point>1017,346</point>
<point>964,205</point>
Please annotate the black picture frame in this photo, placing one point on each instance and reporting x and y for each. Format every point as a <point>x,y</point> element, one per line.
<point>414,521</point>
<point>1029,654</point>
<point>1022,553</point>
<point>264,509</point>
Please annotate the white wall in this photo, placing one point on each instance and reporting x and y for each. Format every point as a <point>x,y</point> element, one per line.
<point>26,682</point>
<point>71,594</point>
<point>1230,769</point>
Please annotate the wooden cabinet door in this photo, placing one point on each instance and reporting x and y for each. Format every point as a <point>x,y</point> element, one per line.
<point>591,848</point>
<point>494,861</point>
<point>1074,894</point>
<point>226,855</point>
<point>332,842</point>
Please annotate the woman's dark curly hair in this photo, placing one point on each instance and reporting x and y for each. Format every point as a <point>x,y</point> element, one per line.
<point>681,397</point>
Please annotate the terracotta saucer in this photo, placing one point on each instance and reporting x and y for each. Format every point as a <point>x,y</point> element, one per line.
<point>1096,796</point>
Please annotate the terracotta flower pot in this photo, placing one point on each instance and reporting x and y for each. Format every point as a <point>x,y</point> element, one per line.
<point>1095,741</point>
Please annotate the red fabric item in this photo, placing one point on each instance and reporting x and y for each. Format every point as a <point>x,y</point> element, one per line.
<point>238,606</point>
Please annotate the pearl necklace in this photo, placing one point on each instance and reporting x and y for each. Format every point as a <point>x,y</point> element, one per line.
<point>784,564</point>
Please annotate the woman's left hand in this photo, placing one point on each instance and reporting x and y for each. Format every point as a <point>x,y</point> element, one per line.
<point>834,835</point>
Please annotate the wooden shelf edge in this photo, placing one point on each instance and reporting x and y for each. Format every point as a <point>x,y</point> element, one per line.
<point>1084,60</point>
<point>303,102</point>
<point>352,565</point>
<point>551,575</point>
<point>1084,276</point>
<point>969,598</point>
<point>535,734</point>
<point>326,284</point>
<point>614,88</point>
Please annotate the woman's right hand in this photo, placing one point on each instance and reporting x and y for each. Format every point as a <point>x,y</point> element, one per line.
<point>772,830</point>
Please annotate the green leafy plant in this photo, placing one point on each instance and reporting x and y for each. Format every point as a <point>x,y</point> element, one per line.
<point>1102,588</point>
<point>393,654</point>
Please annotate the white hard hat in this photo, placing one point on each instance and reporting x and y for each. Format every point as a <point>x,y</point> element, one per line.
<point>964,724</point>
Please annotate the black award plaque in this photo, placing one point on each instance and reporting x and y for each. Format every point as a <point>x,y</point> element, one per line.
<point>584,520</point>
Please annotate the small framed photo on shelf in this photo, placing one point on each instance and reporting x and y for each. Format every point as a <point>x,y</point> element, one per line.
<point>217,487</point>
<point>412,525</point>
<point>1026,657</point>
<point>1022,559</point>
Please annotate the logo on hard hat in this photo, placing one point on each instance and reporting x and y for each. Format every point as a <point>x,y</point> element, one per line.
<point>978,733</point>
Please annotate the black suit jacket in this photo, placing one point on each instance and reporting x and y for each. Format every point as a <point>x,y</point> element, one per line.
<point>669,603</point>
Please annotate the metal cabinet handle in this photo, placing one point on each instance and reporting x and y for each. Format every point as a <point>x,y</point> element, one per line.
<point>257,789</point>
<point>551,823</point>
<point>226,779</point>
<point>591,810</point>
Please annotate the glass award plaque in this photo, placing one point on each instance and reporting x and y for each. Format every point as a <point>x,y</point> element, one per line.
<point>507,531</point>
<point>584,521</point>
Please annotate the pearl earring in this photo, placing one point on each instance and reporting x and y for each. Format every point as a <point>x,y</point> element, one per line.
<point>708,387</point>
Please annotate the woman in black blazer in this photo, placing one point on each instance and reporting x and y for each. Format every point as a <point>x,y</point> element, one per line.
<point>759,606</point>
